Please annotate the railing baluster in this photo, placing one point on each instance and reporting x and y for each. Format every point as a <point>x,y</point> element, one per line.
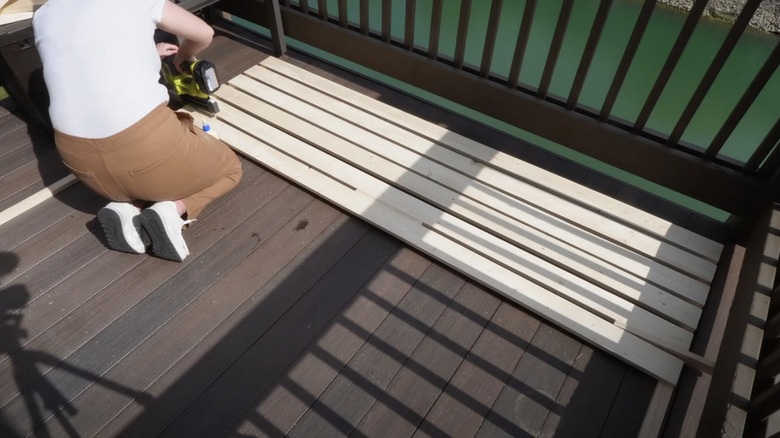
<point>763,76</point>
<point>522,43</point>
<point>387,11</point>
<point>343,17</point>
<point>463,30</point>
<point>628,58</point>
<point>411,9</point>
<point>322,9</point>
<point>364,23</point>
<point>671,62</point>
<point>490,38</point>
<point>764,149</point>
<point>712,72</point>
<point>433,40</point>
<point>304,4</point>
<point>555,48</point>
<point>587,54</point>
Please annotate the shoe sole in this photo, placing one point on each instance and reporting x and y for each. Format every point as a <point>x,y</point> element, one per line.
<point>111,223</point>
<point>162,246</point>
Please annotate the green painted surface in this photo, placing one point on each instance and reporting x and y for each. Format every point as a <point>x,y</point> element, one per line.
<point>745,61</point>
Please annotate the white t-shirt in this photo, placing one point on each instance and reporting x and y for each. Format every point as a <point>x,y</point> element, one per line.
<point>100,63</point>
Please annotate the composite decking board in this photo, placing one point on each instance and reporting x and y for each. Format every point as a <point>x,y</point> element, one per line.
<point>488,206</point>
<point>222,403</point>
<point>17,157</point>
<point>403,406</point>
<point>628,409</point>
<point>113,300</point>
<point>189,377</point>
<point>50,240</point>
<point>472,391</point>
<point>290,396</point>
<point>399,222</point>
<point>29,184</point>
<point>37,219</point>
<point>368,373</point>
<point>503,224</point>
<point>178,334</point>
<point>564,188</point>
<point>533,386</point>
<point>46,306</point>
<point>115,341</point>
<point>586,397</point>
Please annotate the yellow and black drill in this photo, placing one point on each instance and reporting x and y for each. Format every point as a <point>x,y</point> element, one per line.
<point>194,84</point>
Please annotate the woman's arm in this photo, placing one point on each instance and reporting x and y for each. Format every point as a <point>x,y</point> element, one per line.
<point>195,34</point>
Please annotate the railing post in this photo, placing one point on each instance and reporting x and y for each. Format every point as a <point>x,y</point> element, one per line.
<point>275,26</point>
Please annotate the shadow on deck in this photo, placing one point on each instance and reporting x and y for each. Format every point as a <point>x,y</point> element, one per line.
<point>290,318</point>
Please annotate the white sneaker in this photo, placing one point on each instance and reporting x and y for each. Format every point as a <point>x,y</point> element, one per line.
<point>122,224</point>
<point>164,226</point>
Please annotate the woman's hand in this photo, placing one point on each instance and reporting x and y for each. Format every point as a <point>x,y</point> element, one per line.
<point>167,49</point>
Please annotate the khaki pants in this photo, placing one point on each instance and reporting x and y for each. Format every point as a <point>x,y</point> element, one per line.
<point>162,157</point>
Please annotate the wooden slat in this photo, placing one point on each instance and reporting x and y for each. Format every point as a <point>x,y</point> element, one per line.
<point>343,18</point>
<point>463,30</point>
<point>587,54</point>
<point>411,13</point>
<point>364,14</point>
<point>651,359</point>
<point>283,404</point>
<point>433,39</point>
<point>483,243</point>
<point>212,357</point>
<point>555,47</point>
<point>521,44</point>
<point>747,99</point>
<point>322,9</point>
<point>671,62</point>
<point>506,163</point>
<point>475,387</point>
<point>762,151</point>
<point>490,38</point>
<point>714,69</point>
<point>517,216</point>
<point>656,412</point>
<point>628,56</point>
<point>30,202</point>
<point>194,323</point>
<point>387,11</point>
<point>429,369</point>
<point>217,407</point>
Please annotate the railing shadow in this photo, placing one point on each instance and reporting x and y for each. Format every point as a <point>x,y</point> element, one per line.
<point>43,400</point>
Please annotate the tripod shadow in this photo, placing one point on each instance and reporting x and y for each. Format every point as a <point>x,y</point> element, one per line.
<point>41,397</point>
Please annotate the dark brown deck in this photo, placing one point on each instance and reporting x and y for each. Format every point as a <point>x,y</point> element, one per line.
<point>289,318</point>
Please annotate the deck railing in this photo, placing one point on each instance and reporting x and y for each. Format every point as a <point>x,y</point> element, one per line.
<point>699,171</point>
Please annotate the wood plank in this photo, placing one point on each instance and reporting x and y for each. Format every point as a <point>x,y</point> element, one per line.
<point>211,357</point>
<point>519,169</point>
<point>249,376</point>
<point>38,218</point>
<point>410,178</point>
<point>124,333</point>
<point>468,199</point>
<point>403,406</point>
<point>530,394</point>
<point>656,412</point>
<point>629,406</point>
<point>90,318</point>
<point>35,199</point>
<point>47,306</point>
<point>585,399</point>
<point>473,390</point>
<point>287,399</point>
<point>367,375</point>
<point>615,340</point>
<point>279,238</point>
